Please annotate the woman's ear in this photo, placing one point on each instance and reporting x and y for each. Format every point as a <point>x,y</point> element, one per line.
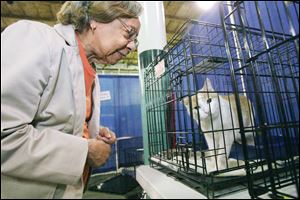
<point>93,25</point>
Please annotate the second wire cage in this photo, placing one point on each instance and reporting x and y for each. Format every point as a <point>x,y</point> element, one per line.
<point>223,115</point>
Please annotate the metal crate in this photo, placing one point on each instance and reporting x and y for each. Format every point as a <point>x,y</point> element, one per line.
<point>270,67</point>
<point>253,93</point>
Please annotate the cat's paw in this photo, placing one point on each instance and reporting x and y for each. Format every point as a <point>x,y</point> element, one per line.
<point>234,163</point>
<point>210,166</point>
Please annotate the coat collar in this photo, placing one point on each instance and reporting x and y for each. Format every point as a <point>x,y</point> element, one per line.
<point>67,32</point>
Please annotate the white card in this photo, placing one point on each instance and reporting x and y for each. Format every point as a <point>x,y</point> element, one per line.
<point>105,95</point>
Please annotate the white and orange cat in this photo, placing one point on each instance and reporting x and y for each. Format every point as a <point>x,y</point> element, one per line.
<point>219,122</point>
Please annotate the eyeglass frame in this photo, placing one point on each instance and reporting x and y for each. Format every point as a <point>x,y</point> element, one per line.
<point>132,33</point>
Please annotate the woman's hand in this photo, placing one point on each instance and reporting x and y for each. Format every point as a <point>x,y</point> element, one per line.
<point>106,135</point>
<point>98,152</point>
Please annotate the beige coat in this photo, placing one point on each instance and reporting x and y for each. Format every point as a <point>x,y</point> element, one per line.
<point>42,112</point>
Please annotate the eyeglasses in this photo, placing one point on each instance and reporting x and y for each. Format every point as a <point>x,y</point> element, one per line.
<point>132,34</point>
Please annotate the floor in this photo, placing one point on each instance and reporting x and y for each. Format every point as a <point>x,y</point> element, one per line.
<point>112,186</point>
<point>101,195</point>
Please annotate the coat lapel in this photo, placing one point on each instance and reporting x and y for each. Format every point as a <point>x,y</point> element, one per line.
<point>76,72</point>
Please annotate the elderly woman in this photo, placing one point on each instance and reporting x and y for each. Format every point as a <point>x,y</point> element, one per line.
<point>50,134</point>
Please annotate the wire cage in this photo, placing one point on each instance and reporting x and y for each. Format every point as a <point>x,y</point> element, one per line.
<point>222,102</point>
<point>271,63</point>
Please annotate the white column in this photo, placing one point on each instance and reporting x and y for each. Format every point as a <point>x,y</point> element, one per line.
<point>153,29</point>
<point>152,39</point>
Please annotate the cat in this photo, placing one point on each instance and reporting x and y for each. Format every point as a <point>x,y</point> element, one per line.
<point>212,107</point>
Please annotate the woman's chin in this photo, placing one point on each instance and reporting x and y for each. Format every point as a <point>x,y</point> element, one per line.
<point>113,59</point>
<point>110,59</point>
<point>112,62</point>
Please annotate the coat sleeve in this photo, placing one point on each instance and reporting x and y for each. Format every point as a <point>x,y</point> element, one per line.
<point>27,153</point>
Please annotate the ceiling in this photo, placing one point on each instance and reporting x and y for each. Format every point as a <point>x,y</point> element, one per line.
<point>176,13</point>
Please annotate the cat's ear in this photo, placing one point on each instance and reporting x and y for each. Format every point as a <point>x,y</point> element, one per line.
<point>208,85</point>
<point>185,101</point>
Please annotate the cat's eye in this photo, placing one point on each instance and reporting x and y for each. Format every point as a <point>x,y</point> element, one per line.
<point>209,100</point>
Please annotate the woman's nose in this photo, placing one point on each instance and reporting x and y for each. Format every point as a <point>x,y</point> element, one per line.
<point>131,46</point>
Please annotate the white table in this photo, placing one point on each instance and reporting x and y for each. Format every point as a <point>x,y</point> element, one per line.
<point>158,185</point>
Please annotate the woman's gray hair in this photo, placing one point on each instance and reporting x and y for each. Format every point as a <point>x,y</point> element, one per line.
<point>80,13</point>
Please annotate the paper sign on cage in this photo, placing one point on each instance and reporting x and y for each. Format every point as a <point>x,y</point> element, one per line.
<point>159,69</point>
